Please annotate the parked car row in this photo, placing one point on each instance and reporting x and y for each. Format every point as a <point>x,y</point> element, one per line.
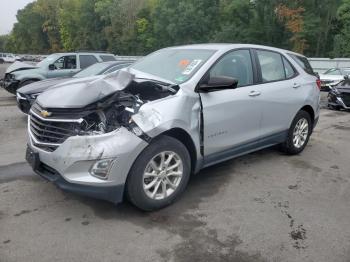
<point>339,95</point>
<point>141,131</point>
<point>333,77</point>
<point>8,58</point>
<point>20,74</point>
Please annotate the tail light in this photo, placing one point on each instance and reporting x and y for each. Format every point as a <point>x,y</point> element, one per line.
<point>318,82</point>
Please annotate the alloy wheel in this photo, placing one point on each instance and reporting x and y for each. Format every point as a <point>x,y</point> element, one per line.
<point>162,175</point>
<point>301,132</point>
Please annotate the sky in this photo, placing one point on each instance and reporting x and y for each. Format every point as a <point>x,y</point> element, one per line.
<point>8,11</point>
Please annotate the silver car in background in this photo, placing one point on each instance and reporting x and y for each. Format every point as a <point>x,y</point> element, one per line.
<point>333,77</point>
<point>142,131</point>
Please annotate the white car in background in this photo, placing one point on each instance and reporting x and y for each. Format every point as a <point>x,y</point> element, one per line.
<point>8,58</point>
<point>333,77</point>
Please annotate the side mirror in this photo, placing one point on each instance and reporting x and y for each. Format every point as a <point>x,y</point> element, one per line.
<point>346,77</point>
<point>216,83</point>
<point>51,67</point>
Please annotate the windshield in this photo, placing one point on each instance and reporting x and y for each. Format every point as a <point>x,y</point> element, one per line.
<point>48,60</point>
<point>333,71</point>
<point>175,65</point>
<point>93,70</point>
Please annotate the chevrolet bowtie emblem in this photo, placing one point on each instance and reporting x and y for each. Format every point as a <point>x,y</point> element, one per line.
<point>45,113</point>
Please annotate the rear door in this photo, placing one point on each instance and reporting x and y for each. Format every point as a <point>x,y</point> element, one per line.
<point>231,118</point>
<point>281,93</point>
<point>86,61</point>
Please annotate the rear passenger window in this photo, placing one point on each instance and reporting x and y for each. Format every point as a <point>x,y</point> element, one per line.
<point>106,58</point>
<point>238,65</point>
<point>290,72</point>
<point>304,63</point>
<point>87,60</point>
<point>271,64</point>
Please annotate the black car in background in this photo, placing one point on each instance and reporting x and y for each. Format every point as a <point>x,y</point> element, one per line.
<point>339,95</point>
<point>26,95</point>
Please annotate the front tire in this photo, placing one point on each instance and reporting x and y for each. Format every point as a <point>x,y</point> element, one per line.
<point>299,134</point>
<point>159,175</point>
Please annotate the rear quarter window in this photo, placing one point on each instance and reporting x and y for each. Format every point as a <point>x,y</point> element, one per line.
<point>304,63</point>
<point>106,58</point>
<point>87,60</point>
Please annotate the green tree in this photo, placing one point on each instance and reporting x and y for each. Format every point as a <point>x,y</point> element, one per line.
<point>3,42</point>
<point>49,11</point>
<point>27,34</point>
<point>80,26</point>
<point>342,39</point>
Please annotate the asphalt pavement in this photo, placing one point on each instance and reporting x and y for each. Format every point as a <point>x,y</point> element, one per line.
<point>265,206</point>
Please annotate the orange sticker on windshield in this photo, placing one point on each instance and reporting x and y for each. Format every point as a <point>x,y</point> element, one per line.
<point>183,63</point>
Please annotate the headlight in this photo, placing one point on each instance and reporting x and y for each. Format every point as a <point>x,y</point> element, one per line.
<point>12,77</point>
<point>34,96</point>
<point>101,168</point>
<point>20,96</point>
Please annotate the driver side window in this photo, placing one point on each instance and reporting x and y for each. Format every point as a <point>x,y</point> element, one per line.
<point>236,64</point>
<point>66,62</point>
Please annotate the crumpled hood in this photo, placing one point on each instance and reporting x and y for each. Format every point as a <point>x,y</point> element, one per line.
<point>17,66</point>
<point>41,86</point>
<point>84,91</point>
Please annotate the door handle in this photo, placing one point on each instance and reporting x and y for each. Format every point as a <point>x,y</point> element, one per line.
<point>296,85</point>
<point>254,93</point>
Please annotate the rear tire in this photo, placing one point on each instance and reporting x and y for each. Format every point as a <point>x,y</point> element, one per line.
<point>159,175</point>
<point>2,61</point>
<point>299,134</point>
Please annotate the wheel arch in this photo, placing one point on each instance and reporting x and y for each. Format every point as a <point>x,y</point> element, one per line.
<point>310,111</point>
<point>181,135</point>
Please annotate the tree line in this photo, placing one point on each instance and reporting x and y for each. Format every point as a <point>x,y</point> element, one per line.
<point>318,28</point>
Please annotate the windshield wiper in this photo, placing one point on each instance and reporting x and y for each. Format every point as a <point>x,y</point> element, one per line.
<point>167,86</point>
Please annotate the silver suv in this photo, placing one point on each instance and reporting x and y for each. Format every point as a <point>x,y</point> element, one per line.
<point>141,132</point>
<point>56,65</point>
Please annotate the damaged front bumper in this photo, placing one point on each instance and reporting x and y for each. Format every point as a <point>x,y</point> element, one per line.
<point>338,101</point>
<point>70,165</point>
<point>10,85</point>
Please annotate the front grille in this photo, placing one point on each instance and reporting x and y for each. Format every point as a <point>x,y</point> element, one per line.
<point>48,134</point>
<point>346,98</point>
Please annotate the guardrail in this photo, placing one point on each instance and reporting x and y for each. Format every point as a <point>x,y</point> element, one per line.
<point>321,65</point>
<point>127,58</point>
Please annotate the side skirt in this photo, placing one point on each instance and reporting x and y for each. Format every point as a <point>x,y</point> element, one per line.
<point>245,148</point>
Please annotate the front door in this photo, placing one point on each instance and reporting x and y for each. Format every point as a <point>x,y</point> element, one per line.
<point>65,66</point>
<point>231,118</point>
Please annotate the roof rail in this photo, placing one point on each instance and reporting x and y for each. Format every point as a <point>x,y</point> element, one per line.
<point>90,51</point>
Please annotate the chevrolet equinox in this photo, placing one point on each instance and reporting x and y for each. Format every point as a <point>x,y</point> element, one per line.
<point>141,132</point>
